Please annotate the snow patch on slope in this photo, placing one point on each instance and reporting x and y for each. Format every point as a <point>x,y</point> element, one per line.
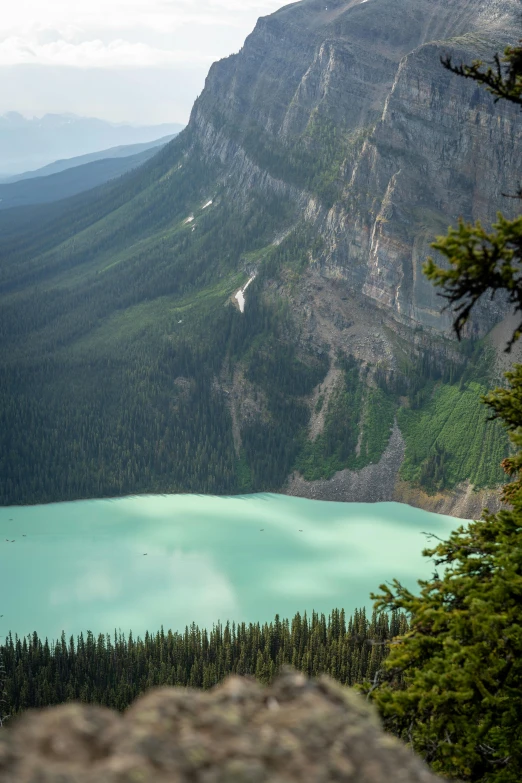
<point>240,296</point>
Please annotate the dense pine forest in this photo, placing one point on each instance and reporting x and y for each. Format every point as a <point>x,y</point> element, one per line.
<point>114,671</point>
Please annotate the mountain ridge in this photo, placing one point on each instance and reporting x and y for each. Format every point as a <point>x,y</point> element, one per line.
<point>71,180</point>
<point>30,144</point>
<point>57,166</point>
<point>267,29</point>
<point>304,163</point>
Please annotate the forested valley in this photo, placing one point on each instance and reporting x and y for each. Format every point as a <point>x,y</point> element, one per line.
<point>119,336</point>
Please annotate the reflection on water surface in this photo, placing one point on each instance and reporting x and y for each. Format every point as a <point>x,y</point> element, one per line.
<point>142,562</point>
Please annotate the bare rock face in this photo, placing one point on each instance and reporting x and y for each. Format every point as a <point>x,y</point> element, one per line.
<point>373,484</point>
<point>295,730</point>
<point>417,146</point>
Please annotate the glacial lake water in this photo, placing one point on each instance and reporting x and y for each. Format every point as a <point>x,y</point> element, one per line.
<point>82,565</point>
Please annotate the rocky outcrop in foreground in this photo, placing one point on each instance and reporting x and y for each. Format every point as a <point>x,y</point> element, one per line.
<point>239,732</point>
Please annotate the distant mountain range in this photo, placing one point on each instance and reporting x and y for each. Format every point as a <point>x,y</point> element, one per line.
<point>66,178</point>
<point>32,143</point>
<point>121,151</point>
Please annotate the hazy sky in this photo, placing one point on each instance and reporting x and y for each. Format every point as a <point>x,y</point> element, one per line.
<point>141,61</point>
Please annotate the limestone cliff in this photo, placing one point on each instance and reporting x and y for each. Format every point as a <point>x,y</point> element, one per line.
<point>344,108</point>
<point>415,146</point>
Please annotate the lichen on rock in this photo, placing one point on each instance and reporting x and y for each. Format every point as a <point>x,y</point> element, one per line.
<point>296,729</point>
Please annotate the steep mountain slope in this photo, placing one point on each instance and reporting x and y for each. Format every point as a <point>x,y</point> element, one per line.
<point>367,76</point>
<point>70,181</point>
<point>319,161</point>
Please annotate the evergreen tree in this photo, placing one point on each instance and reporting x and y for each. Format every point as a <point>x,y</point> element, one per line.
<point>114,671</point>
<point>452,684</point>
<point>4,708</point>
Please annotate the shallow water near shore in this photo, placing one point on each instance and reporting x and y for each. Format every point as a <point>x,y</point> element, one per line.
<point>142,562</point>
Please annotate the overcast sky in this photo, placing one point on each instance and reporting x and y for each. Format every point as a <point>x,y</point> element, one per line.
<point>141,61</point>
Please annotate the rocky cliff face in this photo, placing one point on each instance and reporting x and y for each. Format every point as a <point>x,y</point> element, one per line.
<point>312,731</point>
<point>358,87</point>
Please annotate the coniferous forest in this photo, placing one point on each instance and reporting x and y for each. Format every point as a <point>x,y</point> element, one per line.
<point>114,671</point>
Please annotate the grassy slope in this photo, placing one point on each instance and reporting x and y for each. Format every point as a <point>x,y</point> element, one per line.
<point>455,420</point>
<point>448,436</point>
<point>357,427</point>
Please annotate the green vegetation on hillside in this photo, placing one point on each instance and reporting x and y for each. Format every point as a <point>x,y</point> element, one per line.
<point>271,446</point>
<point>113,338</point>
<point>102,402</point>
<point>379,414</point>
<point>110,365</point>
<point>113,672</point>
<point>120,340</point>
<point>449,439</point>
<point>448,436</point>
<point>351,405</point>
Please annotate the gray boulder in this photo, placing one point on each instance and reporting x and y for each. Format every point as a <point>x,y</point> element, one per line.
<point>239,732</point>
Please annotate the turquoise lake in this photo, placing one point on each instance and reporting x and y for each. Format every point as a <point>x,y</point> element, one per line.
<point>82,566</point>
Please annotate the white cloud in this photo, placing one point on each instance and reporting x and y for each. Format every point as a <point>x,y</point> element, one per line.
<point>96,54</point>
<point>122,14</point>
<point>117,59</point>
<point>99,585</point>
<point>124,33</point>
